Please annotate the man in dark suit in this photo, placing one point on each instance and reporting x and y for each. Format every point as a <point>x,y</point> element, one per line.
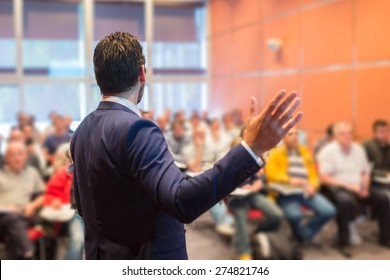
<point>133,198</point>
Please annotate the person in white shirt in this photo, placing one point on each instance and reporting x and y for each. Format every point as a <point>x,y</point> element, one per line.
<point>345,173</point>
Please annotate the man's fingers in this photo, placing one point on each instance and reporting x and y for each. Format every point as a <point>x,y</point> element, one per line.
<point>273,104</point>
<point>253,108</point>
<point>285,104</point>
<point>292,122</point>
<point>290,111</point>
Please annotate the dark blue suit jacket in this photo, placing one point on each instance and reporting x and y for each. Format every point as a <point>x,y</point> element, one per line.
<point>133,198</point>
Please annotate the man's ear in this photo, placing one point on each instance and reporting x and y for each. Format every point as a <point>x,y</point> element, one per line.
<point>142,74</point>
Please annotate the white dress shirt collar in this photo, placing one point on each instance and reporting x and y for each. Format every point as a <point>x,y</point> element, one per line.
<point>123,101</point>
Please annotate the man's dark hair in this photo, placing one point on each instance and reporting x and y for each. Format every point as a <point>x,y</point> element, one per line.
<point>379,123</point>
<point>117,60</point>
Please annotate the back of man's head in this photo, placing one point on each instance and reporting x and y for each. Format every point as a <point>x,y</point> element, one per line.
<point>117,61</point>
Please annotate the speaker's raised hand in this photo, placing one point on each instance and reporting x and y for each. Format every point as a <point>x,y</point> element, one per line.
<point>265,130</point>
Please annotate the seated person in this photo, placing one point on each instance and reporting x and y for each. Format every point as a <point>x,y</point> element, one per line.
<point>17,135</point>
<point>292,166</point>
<point>31,136</point>
<point>176,141</point>
<point>58,193</point>
<point>18,184</point>
<point>344,170</point>
<point>200,156</point>
<point>53,141</point>
<point>240,206</point>
<point>378,152</point>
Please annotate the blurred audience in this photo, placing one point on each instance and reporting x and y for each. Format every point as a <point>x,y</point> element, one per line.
<point>196,143</point>
<point>230,127</point>
<point>17,135</point>
<point>250,198</point>
<point>378,152</point>
<point>292,166</point>
<point>345,172</point>
<point>19,183</point>
<point>54,140</point>
<point>324,140</point>
<point>177,139</point>
<point>200,156</point>
<point>58,197</point>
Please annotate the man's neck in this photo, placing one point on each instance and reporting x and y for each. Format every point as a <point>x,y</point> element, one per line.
<point>128,95</point>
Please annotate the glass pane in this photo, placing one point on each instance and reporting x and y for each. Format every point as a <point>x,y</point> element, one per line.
<point>189,97</point>
<point>179,39</point>
<point>65,99</point>
<point>7,38</point>
<point>115,16</point>
<point>97,97</point>
<point>9,103</point>
<point>53,42</point>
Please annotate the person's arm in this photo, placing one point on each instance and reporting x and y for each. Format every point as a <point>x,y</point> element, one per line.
<point>30,209</point>
<point>312,170</point>
<point>39,189</point>
<point>186,199</point>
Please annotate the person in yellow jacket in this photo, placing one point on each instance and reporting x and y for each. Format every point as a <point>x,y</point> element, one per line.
<point>291,172</point>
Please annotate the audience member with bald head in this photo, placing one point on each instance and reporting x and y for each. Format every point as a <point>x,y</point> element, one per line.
<point>18,184</point>
<point>18,135</point>
<point>345,172</point>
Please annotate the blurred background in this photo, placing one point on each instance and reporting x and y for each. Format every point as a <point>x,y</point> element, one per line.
<point>201,55</point>
<point>204,60</point>
<point>47,48</point>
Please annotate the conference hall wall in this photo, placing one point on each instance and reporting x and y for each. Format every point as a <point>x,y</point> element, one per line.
<point>335,53</point>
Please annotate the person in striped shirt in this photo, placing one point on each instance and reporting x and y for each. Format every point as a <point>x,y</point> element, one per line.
<point>292,166</point>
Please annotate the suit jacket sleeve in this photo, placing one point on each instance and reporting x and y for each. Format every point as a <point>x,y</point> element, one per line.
<point>148,159</point>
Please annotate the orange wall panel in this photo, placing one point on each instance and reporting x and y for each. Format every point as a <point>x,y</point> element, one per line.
<point>324,46</point>
<point>273,84</point>
<point>220,97</point>
<point>327,36</point>
<point>372,30</point>
<point>246,12</point>
<point>222,54</point>
<point>221,19</point>
<point>287,30</point>
<point>247,55</point>
<point>243,90</point>
<point>277,7</point>
<point>326,98</point>
<point>372,101</point>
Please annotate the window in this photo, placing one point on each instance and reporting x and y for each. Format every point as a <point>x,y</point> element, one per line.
<point>65,99</point>
<point>179,39</point>
<point>116,16</point>
<point>53,41</point>
<point>7,38</point>
<point>179,96</point>
<point>9,103</point>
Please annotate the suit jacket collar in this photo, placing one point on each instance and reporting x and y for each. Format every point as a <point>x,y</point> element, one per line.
<point>108,105</point>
